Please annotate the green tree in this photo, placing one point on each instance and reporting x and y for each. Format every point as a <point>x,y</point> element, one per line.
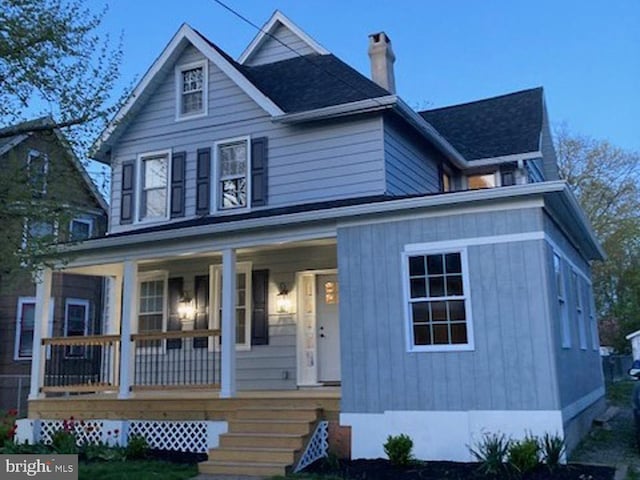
<point>55,65</point>
<point>606,180</point>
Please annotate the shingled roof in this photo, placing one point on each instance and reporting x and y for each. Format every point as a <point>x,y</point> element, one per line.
<point>493,127</point>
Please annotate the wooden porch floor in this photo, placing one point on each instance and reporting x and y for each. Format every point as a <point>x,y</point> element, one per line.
<point>182,404</point>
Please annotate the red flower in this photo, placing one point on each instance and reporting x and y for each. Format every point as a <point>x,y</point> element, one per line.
<point>12,413</point>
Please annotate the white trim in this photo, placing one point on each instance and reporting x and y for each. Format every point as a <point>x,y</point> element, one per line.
<point>561,298</point>
<point>566,258</point>
<point>153,276</point>
<point>215,275</point>
<point>444,435</point>
<point>578,302</point>
<point>16,344</point>
<point>140,186</point>
<point>333,111</point>
<point>215,191</point>
<point>466,297</point>
<point>575,408</point>
<point>205,89</point>
<point>17,140</point>
<point>65,333</point>
<point>184,34</point>
<point>514,157</point>
<point>450,245</point>
<point>267,30</point>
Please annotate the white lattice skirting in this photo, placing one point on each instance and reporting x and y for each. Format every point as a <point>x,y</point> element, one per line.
<point>318,446</point>
<point>182,436</point>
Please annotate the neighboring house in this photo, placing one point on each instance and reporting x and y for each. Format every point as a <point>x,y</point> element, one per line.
<point>75,309</point>
<point>287,235</point>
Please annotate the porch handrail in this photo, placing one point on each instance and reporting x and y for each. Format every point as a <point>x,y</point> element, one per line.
<point>81,340</point>
<point>174,334</point>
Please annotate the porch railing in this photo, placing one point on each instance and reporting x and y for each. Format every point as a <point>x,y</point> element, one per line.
<point>176,359</point>
<point>81,364</point>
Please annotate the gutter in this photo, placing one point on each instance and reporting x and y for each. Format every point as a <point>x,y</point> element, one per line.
<point>352,108</point>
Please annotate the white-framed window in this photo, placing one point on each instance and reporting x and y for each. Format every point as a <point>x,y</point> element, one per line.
<point>191,90</point>
<point>438,308</point>
<point>25,325</point>
<point>152,306</point>
<point>232,166</point>
<point>561,291</point>
<point>38,167</point>
<point>484,180</point>
<point>154,175</point>
<point>80,229</point>
<point>577,295</point>
<point>593,319</point>
<point>243,302</point>
<point>76,324</point>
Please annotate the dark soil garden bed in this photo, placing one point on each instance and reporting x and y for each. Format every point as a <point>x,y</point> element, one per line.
<point>381,469</point>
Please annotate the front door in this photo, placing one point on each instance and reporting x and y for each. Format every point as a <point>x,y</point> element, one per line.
<point>328,328</point>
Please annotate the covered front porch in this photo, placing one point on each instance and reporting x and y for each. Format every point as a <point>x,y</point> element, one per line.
<point>199,323</point>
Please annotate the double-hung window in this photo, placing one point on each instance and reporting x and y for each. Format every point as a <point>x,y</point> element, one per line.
<point>243,302</point>
<point>152,305</point>
<point>562,300</point>
<point>191,82</point>
<point>76,324</point>
<point>80,229</point>
<point>438,307</point>
<point>577,292</point>
<point>154,198</point>
<point>38,167</point>
<point>232,167</point>
<point>25,326</point>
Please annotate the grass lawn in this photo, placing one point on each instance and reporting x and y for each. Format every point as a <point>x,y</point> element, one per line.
<point>136,470</point>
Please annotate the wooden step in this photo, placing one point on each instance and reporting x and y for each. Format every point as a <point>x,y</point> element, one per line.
<point>306,414</point>
<point>253,455</point>
<point>242,468</point>
<point>270,426</point>
<point>291,440</point>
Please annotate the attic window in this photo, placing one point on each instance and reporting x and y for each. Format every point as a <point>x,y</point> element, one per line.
<point>191,81</point>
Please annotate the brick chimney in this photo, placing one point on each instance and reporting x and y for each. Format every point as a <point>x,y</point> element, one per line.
<point>382,58</point>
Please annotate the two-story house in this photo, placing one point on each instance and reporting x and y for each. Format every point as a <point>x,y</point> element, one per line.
<point>290,243</point>
<point>49,176</point>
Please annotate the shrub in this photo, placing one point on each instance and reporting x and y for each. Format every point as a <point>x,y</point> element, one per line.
<point>64,441</point>
<point>399,449</point>
<point>524,455</point>
<point>136,448</point>
<point>491,452</point>
<point>102,452</point>
<point>552,447</point>
<point>7,427</point>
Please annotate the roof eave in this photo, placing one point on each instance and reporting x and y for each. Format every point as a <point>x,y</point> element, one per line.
<point>344,109</point>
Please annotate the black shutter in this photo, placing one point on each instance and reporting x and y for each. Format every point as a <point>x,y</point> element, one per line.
<point>127,197</point>
<point>259,177</point>
<point>173,323</point>
<point>260,314</point>
<point>202,309</point>
<point>177,184</point>
<point>203,179</point>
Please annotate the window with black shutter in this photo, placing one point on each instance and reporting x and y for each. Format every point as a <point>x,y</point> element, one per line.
<point>202,309</point>
<point>126,201</point>
<point>178,161</point>
<point>176,286</point>
<point>260,314</point>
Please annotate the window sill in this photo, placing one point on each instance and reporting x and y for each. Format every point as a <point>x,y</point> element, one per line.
<point>192,116</point>
<point>441,348</point>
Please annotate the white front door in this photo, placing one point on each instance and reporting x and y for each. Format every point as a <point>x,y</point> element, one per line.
<point>328,328</point>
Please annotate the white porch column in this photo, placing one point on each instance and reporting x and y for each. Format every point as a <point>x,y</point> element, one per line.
<point>228,325</point>
<point>40,331</point>
<point>128,325</point>
<point>112,326</point>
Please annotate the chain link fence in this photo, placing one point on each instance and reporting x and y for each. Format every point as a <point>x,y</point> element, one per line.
<point>14,391</point>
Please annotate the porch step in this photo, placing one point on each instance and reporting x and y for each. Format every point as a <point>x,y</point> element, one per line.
<point>262,440</point>
<point>253,454</point>
<point>270,426</point>
<point>242,440</point>
<point>242,468</point>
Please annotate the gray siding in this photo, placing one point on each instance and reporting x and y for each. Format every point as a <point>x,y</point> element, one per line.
<point>273,51</point>
<point>579,370</point>
<point>306,163</point>
<point>512,367</point>
<point>411,164</point>
<point>272,366</point>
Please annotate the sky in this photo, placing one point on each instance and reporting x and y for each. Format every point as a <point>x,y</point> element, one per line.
<point>586,54</point>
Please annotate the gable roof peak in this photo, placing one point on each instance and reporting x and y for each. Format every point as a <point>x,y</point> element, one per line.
<point>276,20</point>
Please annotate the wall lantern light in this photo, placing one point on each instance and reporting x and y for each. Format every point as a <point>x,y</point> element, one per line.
<point>186,308</point>
<point>283,304</point>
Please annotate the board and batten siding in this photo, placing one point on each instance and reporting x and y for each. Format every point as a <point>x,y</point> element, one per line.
<point>307,163</point>
<point>272,50</point>
<point>272,366</point>
<point>512,366</point>
<point>411,165</point>
<point>579,370</point>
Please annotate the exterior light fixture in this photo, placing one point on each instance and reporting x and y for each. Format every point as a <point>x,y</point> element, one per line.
<point>186,308</point>
<point>283,304</point>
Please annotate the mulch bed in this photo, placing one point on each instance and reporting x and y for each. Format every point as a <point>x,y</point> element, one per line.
<point>381,469</point>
